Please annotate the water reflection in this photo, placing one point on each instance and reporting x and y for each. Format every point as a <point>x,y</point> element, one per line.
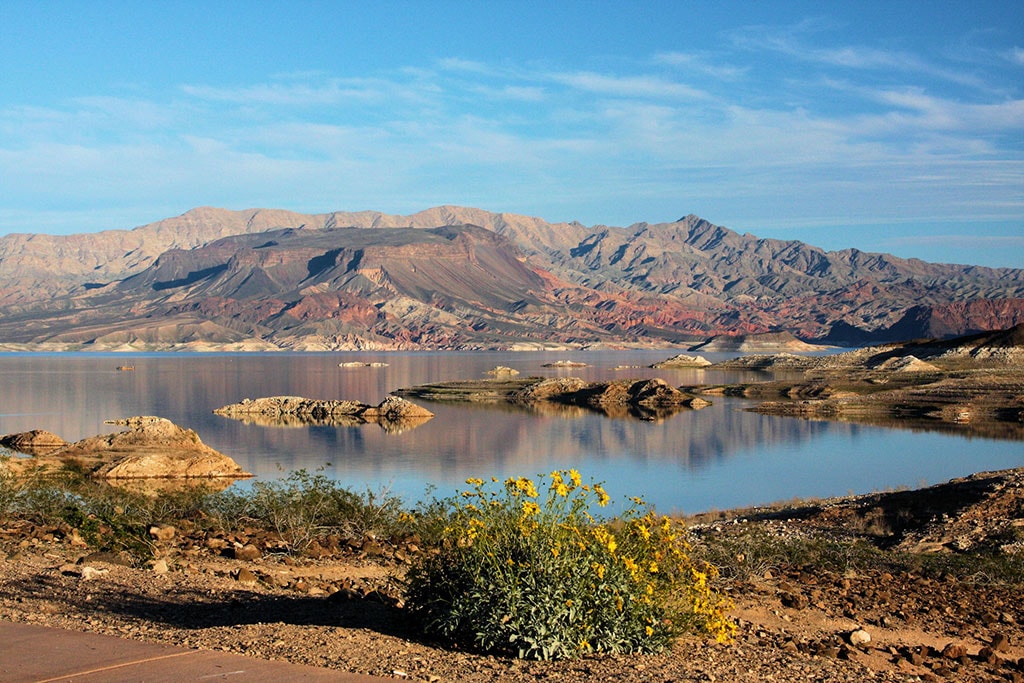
<point>717,457</point>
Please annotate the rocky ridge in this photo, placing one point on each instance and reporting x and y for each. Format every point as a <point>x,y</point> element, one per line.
<point>264,279</point>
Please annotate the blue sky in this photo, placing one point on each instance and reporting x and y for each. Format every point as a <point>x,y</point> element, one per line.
<point>886,126</point>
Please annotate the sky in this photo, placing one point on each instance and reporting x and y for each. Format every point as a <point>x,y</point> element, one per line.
<point>884,126</point>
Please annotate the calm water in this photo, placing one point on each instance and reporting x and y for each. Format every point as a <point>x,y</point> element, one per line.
<point>719,457</point>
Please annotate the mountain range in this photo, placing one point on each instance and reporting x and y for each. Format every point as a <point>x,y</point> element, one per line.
<point>463,278</point>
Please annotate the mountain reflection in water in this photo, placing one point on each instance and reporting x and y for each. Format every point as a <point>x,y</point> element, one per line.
<point>721,456</point>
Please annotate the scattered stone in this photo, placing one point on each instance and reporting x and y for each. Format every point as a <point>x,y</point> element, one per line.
<point>160,566</point>
<point>162,532</point>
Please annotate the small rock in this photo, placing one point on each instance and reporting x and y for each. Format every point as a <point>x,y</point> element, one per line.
<point>1000,642</point>
<point>245,575</point>
<point>987,655</point>
<point>247,552</point>
<point>89,573</point>
<point>794,600</point>
<point>160,566</point>
<point>954,651</point>
<point>162,532</point>
<point>859,637</point>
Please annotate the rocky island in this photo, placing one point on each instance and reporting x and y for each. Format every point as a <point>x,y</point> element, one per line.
<point>393,414</point>
<point>149,448</point>
<point>972,384</point>
<point>651,399</point>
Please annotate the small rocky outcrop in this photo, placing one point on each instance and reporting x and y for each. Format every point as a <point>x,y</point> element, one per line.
<point>683,361</point>
<point>393,413</point>
<point>550,389</point>
<point>565,364</point>
<point>396,408</point>
<point>35,442</point>
<point>908,363</point>
<point>149,448</point>
<point>502,371</point>
<point>650,393</point>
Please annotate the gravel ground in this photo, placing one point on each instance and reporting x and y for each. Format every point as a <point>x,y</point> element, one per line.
<point>342,610</point>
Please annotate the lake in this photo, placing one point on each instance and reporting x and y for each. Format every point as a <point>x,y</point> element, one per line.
<point>716,458</point>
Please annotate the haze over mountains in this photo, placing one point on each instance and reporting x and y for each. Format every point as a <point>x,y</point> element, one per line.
<point>463,278</point>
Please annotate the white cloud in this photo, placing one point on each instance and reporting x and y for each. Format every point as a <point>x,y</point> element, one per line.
<point>700,64</point>
<point>652,87</point>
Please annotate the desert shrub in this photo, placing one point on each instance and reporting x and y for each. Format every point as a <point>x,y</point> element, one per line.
<point>532,574</point>
<point>754,551</point>
<point>303,507</point>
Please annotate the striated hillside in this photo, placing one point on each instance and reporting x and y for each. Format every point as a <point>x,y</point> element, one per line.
<point>453,277</point>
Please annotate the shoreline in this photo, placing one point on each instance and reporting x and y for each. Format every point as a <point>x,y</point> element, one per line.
<point>805,577</point>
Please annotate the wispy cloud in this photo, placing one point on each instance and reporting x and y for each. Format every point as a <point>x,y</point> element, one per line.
<point>644,86</point>
<point>700,64</point>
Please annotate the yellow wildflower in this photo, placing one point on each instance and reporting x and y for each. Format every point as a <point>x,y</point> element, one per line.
<point>575,477</point>
<point>473,481</point>
<point>602,496</point>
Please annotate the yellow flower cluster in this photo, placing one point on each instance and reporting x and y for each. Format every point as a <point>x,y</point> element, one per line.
<point>631,574</point>
<point>521,487</point>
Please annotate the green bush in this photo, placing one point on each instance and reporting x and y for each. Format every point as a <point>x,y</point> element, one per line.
<point>303,507</point>
<point>534,575</point>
